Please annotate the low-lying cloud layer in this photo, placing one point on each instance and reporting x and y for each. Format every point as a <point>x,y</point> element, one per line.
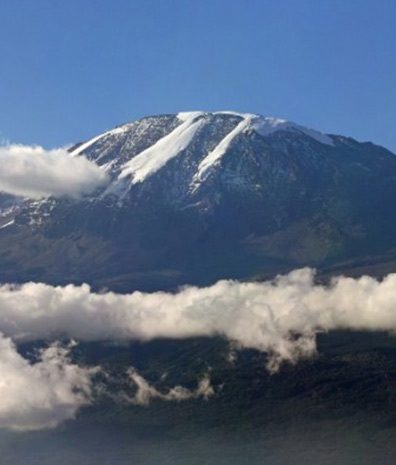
<point>42,394</point>
<point>279,317</point>
<point>32,171</point>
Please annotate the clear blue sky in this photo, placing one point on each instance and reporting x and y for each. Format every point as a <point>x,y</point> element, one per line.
<point>70,69</point>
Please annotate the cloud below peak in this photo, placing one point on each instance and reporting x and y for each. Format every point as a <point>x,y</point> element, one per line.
<point>34,172</point>
<point>43,394</point>
<point>145,392</point>
<point>280,317</point>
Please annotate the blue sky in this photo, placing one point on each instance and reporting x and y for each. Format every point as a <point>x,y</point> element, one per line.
<point>71,69</point>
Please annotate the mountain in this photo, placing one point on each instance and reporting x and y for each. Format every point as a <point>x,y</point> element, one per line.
<point>192,198</point>
<point>199,196</point>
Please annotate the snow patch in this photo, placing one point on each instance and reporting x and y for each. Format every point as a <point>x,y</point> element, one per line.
<point>236,113</point>
<point>213,158</point>
<point>268,125</point>
<point>188,115</point>
<point>264,126</point>
<point>113,132</point>
<point>156,156</point>
<point>7,224</point>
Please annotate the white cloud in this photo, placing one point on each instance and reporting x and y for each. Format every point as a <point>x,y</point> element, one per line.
<point>43,394</point>
<point>280,317</point>
<point>146,392</point>
<point>32,171</point>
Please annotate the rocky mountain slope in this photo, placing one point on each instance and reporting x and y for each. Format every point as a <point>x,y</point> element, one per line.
<point>197,196</point>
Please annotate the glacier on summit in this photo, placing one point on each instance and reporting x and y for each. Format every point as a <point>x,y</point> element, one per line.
<point>134,159</point>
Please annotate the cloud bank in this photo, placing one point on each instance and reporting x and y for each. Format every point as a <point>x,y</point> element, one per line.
<point>32,171</point>
<point>42,394</point>
<point>280,317</point>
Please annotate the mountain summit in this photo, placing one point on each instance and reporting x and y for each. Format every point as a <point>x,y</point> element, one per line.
<point>134,152</point>
<point>197,196</point>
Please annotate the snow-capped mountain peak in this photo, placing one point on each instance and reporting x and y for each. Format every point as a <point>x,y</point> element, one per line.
<point>134,152</point>
<point>196,193</point>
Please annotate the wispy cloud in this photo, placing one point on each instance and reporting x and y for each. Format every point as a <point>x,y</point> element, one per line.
<point>32,171</point>
<point>145,392</point>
